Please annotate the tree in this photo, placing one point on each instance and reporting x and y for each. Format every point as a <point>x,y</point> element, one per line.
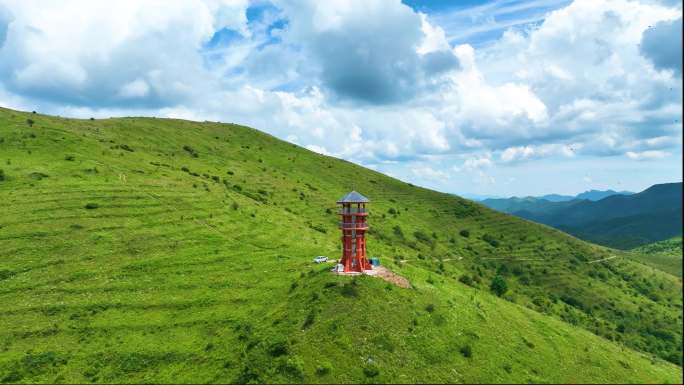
<point>499,286</point>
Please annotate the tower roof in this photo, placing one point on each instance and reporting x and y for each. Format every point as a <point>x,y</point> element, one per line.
<point>353,197</point>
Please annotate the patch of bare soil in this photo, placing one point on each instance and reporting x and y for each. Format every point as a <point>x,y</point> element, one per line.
<point>389,276</point>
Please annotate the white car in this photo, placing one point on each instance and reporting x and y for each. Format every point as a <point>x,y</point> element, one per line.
<point>320,259</point>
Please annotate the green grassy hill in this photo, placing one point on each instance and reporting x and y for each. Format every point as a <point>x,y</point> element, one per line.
<point>158,250</point>
<point>665,255</point>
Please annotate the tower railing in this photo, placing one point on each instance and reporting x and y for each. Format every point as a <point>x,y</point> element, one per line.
<point>351,226</point>
<point>353,211</point>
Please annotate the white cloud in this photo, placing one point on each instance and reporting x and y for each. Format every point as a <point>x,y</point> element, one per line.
<point>646,155</point>
<point>427,172</point>
<point>472,164</point>
<point>371,81</point>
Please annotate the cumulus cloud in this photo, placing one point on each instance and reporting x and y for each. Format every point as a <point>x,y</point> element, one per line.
<point>372,51</point>
<point>662,44</point>
<point>476,163</point>
<point>520,153</point>
<point>646,155</point>
<point>113,51</point>
<point>372,81</point>
<point>427,172</point>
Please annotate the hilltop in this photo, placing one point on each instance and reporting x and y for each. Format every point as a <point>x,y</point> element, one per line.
<point>162,250</point>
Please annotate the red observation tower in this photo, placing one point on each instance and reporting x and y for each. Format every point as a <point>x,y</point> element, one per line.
<point>354,226</point>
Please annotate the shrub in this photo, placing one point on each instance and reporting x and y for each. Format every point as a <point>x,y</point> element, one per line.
<point>421,236</point>
<point>37,175</point>
<point>466,280</point>
<point>185,169</point>
<point>2,175</point>
<point>392,211</point>
<point>430,308</point>
<point>309,320</point>
<point>30,122</point>
<point>491,240</point>
<point>278,348</point>
<point>235,206</point>
<point>318,228</point>
<point>191,151</point>
<point>324,368</point>
<point>123,147</point>
<point>466,351</point>
<point>6,274</point>
<point>464,233</point>
<point>294,367</point>
<point>349,290</point>
<point>230,173</point>
<point>371,370</point>
<point>499,286</point>
<point>397,231</point>
<point>69,157</point>
<point>91,206</point>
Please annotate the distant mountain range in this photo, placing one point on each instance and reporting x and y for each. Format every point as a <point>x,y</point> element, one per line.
<point>617,219</point>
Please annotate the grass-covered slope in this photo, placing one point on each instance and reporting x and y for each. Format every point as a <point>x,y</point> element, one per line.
<point>665,255</point>
<point>150,250</point>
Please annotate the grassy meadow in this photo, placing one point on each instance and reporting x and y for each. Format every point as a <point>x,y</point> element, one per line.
<point>161,250</point>
<point>665,255</point>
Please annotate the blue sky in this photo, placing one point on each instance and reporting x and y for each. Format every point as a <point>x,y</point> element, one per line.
<point>495,98</point>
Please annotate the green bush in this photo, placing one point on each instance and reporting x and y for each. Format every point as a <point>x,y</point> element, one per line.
<point>324,368</point>
<point>294,366</point>
<point>430,308</point>
<point>191,151</point>
<point>6,274</point>
<point>2,175</point>
<point>466,280</point>
<point>466,351</point>
<point>91,206</point>
<point>349,290</point>
<point>310,318</point>
<point>421,236</point>
<point>69,157</point>
<point>499,286</point>
<point>491,240</point>
<point>370,370</point>
<point>319,228</point>
<point>278,348</point>
<point>397,231</point>
<point>464,233</point>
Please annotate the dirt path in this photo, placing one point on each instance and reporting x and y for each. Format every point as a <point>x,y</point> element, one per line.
<point>389,276</point>
<point>604,259</point>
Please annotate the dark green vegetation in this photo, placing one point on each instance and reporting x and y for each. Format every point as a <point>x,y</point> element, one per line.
<point>175,251</point>
<point>619,221</point>
<point>664,255</point>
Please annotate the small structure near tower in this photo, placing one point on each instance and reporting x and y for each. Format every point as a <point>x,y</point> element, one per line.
<point>354,226</point>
